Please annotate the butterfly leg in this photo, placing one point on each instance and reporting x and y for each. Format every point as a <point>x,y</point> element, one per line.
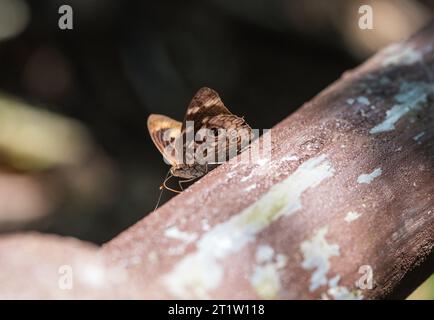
<point>180,182</point>
<point>163,185</point>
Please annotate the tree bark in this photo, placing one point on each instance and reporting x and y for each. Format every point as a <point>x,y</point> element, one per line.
<point>347,193</point>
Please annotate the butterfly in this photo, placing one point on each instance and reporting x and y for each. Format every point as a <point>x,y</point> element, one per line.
<point>209,135</point>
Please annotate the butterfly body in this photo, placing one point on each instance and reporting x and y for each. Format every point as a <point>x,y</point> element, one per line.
<point>205,137</point>
<point>189,171</point>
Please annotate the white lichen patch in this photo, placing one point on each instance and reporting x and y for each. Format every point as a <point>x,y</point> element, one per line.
<point>369,177</point>
<point>263,165</point>
<point>205,224</point>
<point>281,260</point>
<point>317,253</point>
<point>247,177</point>
<point>350,101</point>
<point>176,250</point>
<point>231,174</point>
<point>351,216</point>
<point>175,233</point>
<point>250,188</point>
<point>201,271</point>
<point>266,281</point>
<point>402,54</point>
<point>262,161</point>
<point>289,157</point>
<point>264,253</point>
<point>266,278</point>
<point>340,292</point>
<point>412,96</point>
<point>419,136</point>
<point>363,100</point>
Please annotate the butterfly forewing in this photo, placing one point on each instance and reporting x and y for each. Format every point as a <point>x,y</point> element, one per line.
<point>165,132</point>
<point>207,111</point>
<point>205,104</point>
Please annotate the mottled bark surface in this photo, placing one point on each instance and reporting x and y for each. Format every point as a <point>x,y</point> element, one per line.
<point>348,188</point>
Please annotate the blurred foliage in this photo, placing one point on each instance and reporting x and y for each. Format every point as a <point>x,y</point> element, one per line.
<point>35,139</point>
<point>425,291</point>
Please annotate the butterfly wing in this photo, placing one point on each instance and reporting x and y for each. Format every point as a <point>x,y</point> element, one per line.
<point>236,136</point>
<point>164,132</point>
<point>205,104</point>
<point>207,110</point>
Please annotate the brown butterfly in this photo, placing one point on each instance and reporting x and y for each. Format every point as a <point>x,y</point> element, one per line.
<point>209,129</point>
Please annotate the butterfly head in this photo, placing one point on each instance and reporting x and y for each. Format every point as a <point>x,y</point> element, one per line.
<point>188,171</point>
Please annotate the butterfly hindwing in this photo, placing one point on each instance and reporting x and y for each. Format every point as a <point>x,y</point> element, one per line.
<point>235,134</point>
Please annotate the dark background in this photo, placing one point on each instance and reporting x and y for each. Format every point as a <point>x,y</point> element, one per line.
<point>127,59</point>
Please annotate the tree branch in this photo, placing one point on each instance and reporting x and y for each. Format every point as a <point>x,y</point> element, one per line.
<point>348,190</point>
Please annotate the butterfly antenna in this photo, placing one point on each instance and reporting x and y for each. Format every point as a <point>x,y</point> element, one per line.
<point>161,192</point>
